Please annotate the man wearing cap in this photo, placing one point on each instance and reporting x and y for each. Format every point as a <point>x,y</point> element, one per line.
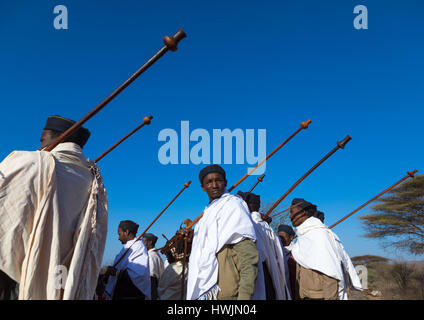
<point>286,235</point>
<point>224,259</point>
<point>53,217</point>
<point>155,263</point>
<point>323,269</point>
<point>130,278</point>
<point>270,251</point>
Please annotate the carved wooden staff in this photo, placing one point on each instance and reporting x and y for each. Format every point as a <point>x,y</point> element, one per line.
<point>303,125</point>
<point>410,174</point>
<point>170,44</point>
<point>260,179</point>
<point>340,145</point>
<point>146,121</point>
<point>186,185</point>
<point>184,268</point>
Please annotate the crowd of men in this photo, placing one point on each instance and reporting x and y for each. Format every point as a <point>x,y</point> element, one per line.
<point>53,221</point>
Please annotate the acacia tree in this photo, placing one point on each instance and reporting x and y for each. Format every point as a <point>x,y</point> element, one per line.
<point>399,217</point>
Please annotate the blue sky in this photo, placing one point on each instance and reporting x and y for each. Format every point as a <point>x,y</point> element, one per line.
<point>245,64</point>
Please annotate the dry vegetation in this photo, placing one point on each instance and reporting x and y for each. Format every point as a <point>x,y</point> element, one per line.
<point>391,280</point>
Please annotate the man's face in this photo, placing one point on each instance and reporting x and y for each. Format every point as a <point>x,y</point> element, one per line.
<point>285,238</point>
<point>148,243</point>
<point>297,215</point>
<point>47,138</point>
<point>123,236</point>
<point>214,184</point>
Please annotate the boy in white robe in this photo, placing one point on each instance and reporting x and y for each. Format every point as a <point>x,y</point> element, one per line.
<point>226,231</point>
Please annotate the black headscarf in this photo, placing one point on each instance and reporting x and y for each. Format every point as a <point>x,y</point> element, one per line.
<point>302,204</point>
<point>252,200</point>
<point>287,229</point>
<point>150,237</point>
<point>129,225</point>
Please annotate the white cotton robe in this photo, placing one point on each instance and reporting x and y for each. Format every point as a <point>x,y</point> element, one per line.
<point>225,221</point>
<point>136,261</point>
<point>53,222</point>
<point>318,248</point>
<point>273,255</point>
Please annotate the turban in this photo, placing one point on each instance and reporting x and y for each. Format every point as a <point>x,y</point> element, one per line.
<point>287,229</point>
<point>129,225</point>
<point>301,204</point>
<point>319,215</point>
<point>251,199</point>
<point>210,169</point>
<point>150,237</point>
<point>60,124</point>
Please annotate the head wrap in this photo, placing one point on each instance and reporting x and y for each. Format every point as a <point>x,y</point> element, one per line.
<point>60,124</point>
<point>150,237</point>
<point>287,229</point>
<point>252,200</point>
<point>210,169</point>
<point>301,203</point>
<point>319,215</point>
<point>129,225</point>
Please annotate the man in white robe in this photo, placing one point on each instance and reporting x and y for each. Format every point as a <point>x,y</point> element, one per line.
<point>272,253</point>
<point>155,263</point>
<point>130,278</point>
<point>319,253</point>
<point>53,218</point>
<point>225,231</point>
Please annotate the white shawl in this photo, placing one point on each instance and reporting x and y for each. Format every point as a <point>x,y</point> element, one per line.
<point>273,256</point>
<point>318,248</point>
<point>53,222</point>
<point>155,263</point>
<point>225,221</point>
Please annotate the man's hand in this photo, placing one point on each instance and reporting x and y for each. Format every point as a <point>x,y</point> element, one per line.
<point>110,271</point>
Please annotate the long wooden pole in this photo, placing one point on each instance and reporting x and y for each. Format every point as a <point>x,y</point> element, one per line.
<point>146,121</point>
<point>303,125</point>
<point>186,185</point>
<point>340,145</point>
<point>170,44</point>
<point>260,179</point>
<point>410,174</point>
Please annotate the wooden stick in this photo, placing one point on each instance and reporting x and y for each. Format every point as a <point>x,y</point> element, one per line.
<point>186,185</point>
<point>340,145</point>
<point>410,174</point>
<point>303,125</point>
<point>146,121</point>
<point>170,44</point>
<point>260,179</point>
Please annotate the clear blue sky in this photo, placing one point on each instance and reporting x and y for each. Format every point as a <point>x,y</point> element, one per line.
<point>245,64</point>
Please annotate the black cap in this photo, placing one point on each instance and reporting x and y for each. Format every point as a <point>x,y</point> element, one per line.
<point>210,169</point>
<point>60,124</point>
